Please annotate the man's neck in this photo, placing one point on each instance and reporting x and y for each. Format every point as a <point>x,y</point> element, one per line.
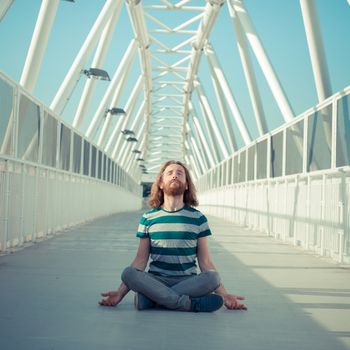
<point>173,203</point>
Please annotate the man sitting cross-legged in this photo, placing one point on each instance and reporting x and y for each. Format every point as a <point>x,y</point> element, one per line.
<point>174,234</point>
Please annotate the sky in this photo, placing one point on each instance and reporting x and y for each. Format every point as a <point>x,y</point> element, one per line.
<point>278,22</point>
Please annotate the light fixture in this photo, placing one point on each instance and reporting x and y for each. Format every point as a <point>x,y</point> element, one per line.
<point>115,110</point>
<point>131,139</point>
<point>96,73</point>
<point>127,132</point>
<point>140,159</point>
<point>136,151</point>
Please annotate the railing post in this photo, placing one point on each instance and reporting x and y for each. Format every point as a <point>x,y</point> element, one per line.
<point>323,214</point>
<point>341,230</point>
<point>15,112</point>
<point>296,186</point>
<point>307,243</point>
<point>6,206</point>
<point>22,201</point>
<point>334,133</point>
<point>285,221</point>
<point>36,202</point>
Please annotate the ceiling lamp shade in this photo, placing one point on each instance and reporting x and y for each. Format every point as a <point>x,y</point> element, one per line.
<point>127,132</point>
<point>96,73</point>
<point>115,111</point>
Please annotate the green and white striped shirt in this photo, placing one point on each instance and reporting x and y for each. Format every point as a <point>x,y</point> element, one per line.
<point>173,239</point>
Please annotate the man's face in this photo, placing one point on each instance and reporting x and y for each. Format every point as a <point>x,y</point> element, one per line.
<point>174,180</point>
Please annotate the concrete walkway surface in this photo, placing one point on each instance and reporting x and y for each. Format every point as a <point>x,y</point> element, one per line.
<point>49,293</point>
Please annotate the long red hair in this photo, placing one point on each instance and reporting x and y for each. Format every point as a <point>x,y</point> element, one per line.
<point>157,195</point>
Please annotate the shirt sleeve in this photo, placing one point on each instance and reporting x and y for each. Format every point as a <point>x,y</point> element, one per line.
<point>142,231</point>
<point>204,229</point>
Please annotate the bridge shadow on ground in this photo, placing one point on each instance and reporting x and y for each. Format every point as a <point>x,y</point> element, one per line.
<point>49,293</point>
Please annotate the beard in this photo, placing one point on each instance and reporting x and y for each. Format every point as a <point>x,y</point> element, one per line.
<point>174,188</point>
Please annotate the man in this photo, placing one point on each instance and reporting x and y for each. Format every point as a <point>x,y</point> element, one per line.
<point>175,235</point>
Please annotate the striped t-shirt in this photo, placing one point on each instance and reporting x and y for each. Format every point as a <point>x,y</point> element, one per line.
<point>173,239</point>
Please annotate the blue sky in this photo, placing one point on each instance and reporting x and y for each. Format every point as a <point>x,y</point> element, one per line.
<point>279,24</point>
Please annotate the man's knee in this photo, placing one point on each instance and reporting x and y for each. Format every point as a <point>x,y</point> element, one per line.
<point>213,278</point>
<point>128,274</point>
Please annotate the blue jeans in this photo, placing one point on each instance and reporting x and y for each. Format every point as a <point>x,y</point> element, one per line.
<point>171,292</point>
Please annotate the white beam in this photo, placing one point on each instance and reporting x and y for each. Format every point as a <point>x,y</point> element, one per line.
<point>38,44</point>
<point>212,121</point>
<point>194,167</point>
<point>174,7</point>
<point>120,78</point>
<point>209,150</point>
<point>4,7</point>
<point>210,14</point>
<point>124,155</point>
<point>134,127</point>
<point>96,63</point>
<point>128,155</point>
<point>121,124</point>
<point>113,87</point>
<point>157,21</point>
<point>264,62</point>
<point>130,105</point>
<point>249,73</point>
<point>198,155</point>
<point>220,77</point>
<point>73,75</point>
<point>136,15</point>
<point>201,147</point>
<point>223,109</point>
<point>316,49</point>
<point>189,22</point>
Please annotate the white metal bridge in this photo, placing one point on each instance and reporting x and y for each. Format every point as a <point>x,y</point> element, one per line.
<point>88,151</point>
<point>252,95</point>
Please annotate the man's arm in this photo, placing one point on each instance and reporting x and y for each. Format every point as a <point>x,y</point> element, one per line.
<point>113,298</point>
<point>205,263</point>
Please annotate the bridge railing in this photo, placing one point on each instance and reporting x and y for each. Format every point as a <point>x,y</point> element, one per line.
<point>51,176</point>
<point>293,183</point>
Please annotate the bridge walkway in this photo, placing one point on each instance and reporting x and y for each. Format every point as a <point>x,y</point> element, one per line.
<point>49,293</point>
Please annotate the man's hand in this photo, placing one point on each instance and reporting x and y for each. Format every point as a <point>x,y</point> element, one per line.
<point>232,302</point>
<point>111,298</point>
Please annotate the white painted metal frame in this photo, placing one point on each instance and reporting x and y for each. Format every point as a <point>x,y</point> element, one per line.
<point>112,94</point>
<point>265,64</point>
<point>39,200</point>
<point>217,138</point>
<point>249,73</point>
<point>316,49</point>
<point>322,202</point>
<point>222,82</point>
<point>75,71</point>
<point>121,121</point>
<point>96,63</point>
<point>117,136</point>
<point>173,82</point>
<point>193,134</point>
<point>38,44</point>
<point>4,7</point>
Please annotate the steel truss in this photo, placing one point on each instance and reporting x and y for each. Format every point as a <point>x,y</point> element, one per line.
<point>168,122</point>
